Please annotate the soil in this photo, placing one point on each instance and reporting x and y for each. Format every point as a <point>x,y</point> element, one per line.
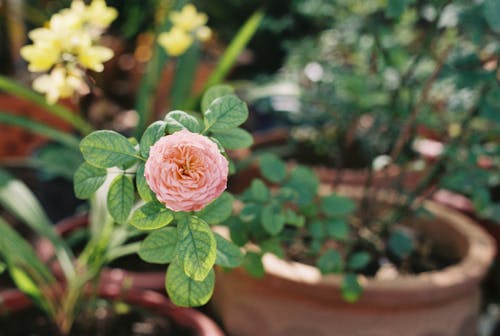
<point>104,320</point>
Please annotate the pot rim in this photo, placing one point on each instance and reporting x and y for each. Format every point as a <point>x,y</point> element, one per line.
<point>13,300</point>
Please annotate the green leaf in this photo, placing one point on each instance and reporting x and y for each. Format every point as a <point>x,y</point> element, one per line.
<point>358,261</point>
<point>396,8</point>
<point>305,183</point>
<point>272,167</point>
<point>238,231</point>
<point>185,291</point>
<point>273,245</point>
<point>87,180</point>
<point>121,198</point>
<point>228,254</point>
<point>351,289</point>
<point>56,160</point>
<point>330,262</point>
<point>337,206</point>
<point>317,229</point>
<point>151,216</point>
<point>218,210</point>
<point>491,12</point>
<point>259,191</point>
<point>253,264</point>
<point>272,219</point>
<point>292,218</point>
<point>401,244</point>
<point>143,189</point>
<point>197,247</point>
<point>159,246</point>
<point>213,93</point>
<point>107,149</point>
<point>180,120</point>
<point>151,135</point>
<point>337,229</point>
<point>234,138</point>
<point>251,212</point>
<point>225,113</point>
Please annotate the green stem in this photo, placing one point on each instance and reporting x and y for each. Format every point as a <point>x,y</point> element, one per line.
<point>41,129</point>
<point>231,54</point>
<point>58,110</point>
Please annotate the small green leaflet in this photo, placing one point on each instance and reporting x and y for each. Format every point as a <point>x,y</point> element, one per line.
<point>107,149</point>
<point>143,189</point>
<point>213,93</point>
<point>272,167</point>
<point>159,246</point>
<point>272,219</point>
<point>234,138</point>
<point>151,216</point>
<point>225,113</point>
<point>87,180</point>
<point>151,135</point>
<point>253,264</point>
<point>184,291</point>
<point>196,247</point>
<point>228,254</point>
<point>401,244</point>
<point>330,262</point>
<point>121,198</point>
<point>218,210</point>
<point>336,206</point>
<point>180,120</point>
<point>351,289</point>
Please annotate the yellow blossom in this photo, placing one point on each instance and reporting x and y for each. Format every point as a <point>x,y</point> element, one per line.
<point>100,15</point>
<point>59,84</point>
<point>188,18</point>
<point>176,41</point>
<point>203,33</point>
<point>41,57</point>
<point>92,57</point>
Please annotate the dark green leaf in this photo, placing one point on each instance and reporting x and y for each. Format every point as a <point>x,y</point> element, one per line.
<point>234,138</point>
<point>317,229</point>
<point>272,219</point>
<point>151,135</point>
<point>305,183</point>
<point>492,14</point>
<point>180,120</point>
<point>272,167</point>
<point>185,291</point>
<point>196,248</point>
<point>213,93</point>
<point>351,289</point>
<point>336,206</point>
<point>228,254</point>
<point>401,244</point>
<point>143,189</point>
<point>259,191</point>
<point>253,264</point>
<point>330,262</point>
<point>159,246</point>
<point>151,216</point>
<point>107,149</point>
<point>218,210</point>
<point>225,113</point>
<point>358,261</point>
<point>337,229</point>
<point>238,231</point>
<point>87,180</point>
<point>121,198</point>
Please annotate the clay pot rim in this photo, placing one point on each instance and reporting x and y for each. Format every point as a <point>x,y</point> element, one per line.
<point>13,300</point>
<point>420,288</point>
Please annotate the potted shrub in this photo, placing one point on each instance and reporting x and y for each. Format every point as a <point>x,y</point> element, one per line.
<point>350,259</point>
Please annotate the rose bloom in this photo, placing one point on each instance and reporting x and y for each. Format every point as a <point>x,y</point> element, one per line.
<point>186,171</point>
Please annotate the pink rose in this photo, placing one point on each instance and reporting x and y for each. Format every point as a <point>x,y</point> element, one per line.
<point>186,171</point>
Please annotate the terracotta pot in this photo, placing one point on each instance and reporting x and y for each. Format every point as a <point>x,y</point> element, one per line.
<point>14,300</point>
<point>152,280</point>
<point>16,142</point>
<point>295,299</point>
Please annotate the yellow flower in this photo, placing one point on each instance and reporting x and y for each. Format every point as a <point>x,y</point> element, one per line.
<point>203,33</point>
<point>59,84</point>
<point>188,18</point>
<point>41,56</point>
<point>92,57</point>
<point>100,15</point>
<point>176,41</point>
